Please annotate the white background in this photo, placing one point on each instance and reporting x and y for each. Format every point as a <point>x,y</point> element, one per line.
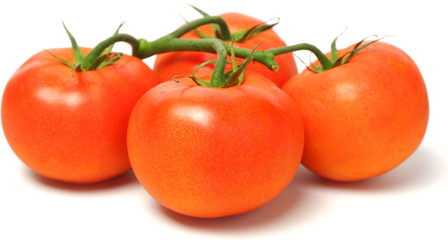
<point>410,201</point>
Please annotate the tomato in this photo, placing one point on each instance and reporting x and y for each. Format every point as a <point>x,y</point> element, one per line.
<point>209,152</point>
<point>362,118</point>
<point>71,126</point>
<point>168,65</point>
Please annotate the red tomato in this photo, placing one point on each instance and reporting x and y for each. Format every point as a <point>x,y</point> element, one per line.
<point>362,118</point>
<point>209,152</point>
<point>71,126</point>
<point>167,65</point>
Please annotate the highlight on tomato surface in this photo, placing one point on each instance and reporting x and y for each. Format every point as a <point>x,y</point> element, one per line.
<point>363,116</point>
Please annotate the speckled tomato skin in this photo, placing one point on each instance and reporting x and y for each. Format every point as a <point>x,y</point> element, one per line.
<point>71,126</point>
<point>363,118</point>
<point>168,65</point>
<point>208,152</point>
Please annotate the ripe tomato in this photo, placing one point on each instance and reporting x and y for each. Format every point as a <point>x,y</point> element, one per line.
<point>71,126</point>
<point>209,152</point>
<point>362,118</point>
<point>167,65</point>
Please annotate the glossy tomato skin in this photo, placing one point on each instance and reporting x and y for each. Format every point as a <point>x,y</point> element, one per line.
<point>364,118</point>
<point>168,65</point>
<point>71,126</point>
<point>208,152</point>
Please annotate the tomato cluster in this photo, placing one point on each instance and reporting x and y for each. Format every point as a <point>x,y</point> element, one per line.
<point>212,152</point>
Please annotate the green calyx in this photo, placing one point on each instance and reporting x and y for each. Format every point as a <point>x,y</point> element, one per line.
<point>237,37</point>
<point>335,60</point>
<point>91,61</point>
<point>220,79</point>
<point>244,35</point>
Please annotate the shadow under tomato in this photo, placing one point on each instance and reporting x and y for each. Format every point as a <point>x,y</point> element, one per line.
<point>419,170</point>
<point>123,180</point>
<point>289,208</point>
<point>304,201</point>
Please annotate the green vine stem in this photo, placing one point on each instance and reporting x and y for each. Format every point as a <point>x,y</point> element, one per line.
<point>144,49</point>
<point>321,57</point>
<point>217,78</point>
<point>224,29</point>
<point>265,57</point>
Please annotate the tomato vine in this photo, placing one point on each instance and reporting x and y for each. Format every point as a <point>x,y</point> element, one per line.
<point>142,48</point>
